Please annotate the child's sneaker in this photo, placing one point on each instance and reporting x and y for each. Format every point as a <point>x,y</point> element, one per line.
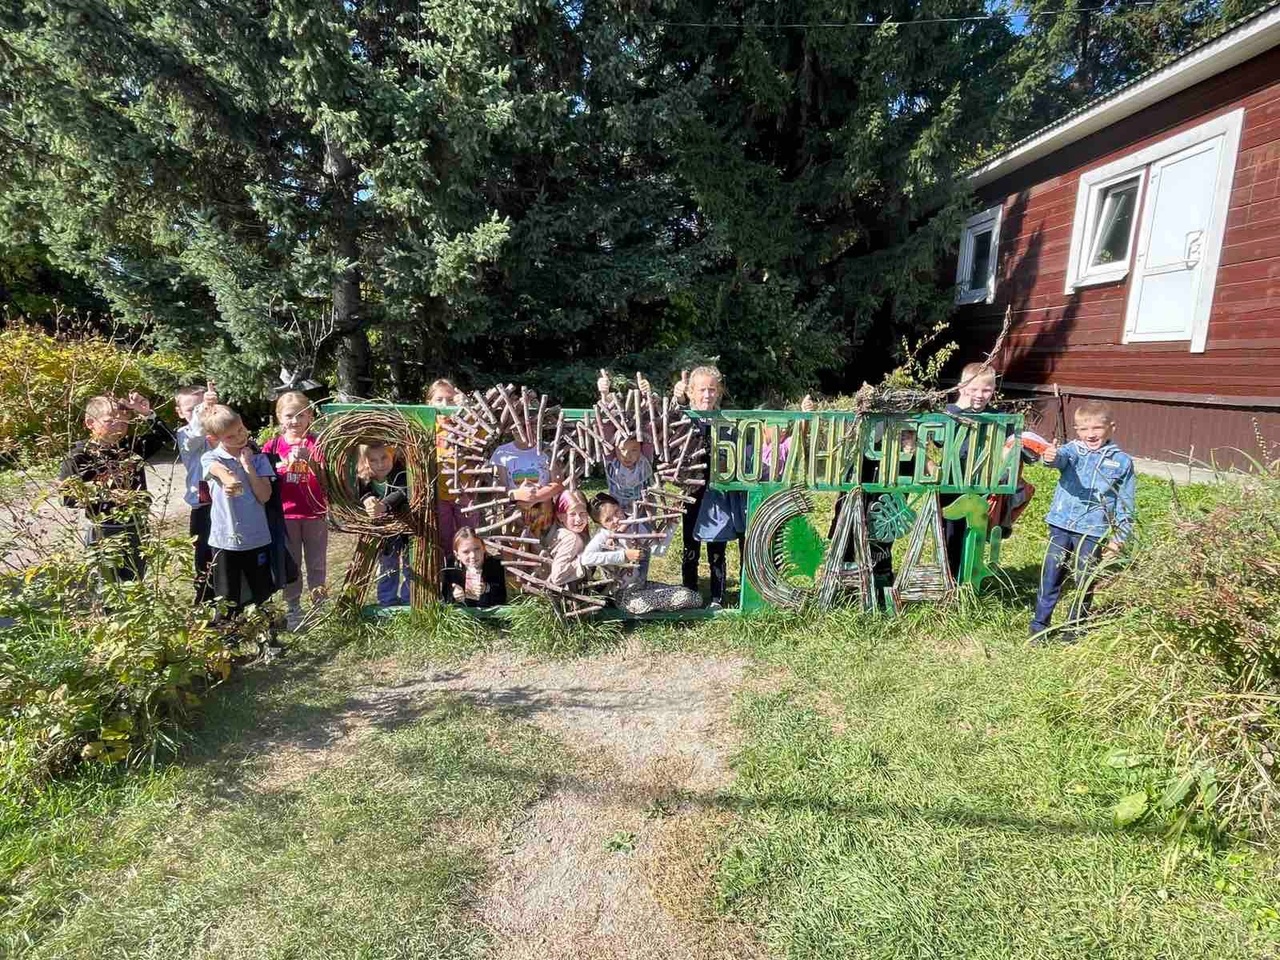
<point>293,618</point>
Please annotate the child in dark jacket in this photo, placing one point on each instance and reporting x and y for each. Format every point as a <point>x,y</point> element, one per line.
<point>974,394</point>
<point>1093,504</point>
<point>383,488</point>
<point>105,475</point>
<point>478,580</point>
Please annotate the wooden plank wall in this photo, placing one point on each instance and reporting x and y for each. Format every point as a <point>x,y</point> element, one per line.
<point>1075,339</point>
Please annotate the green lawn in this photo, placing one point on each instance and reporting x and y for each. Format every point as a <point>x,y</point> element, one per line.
<point>245,851</point>
<point>929,787</point>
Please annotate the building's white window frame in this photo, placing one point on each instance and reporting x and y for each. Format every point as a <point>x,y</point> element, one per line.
<point>979,223</point>
<point>1085,225</point>
<point>1094,182</point>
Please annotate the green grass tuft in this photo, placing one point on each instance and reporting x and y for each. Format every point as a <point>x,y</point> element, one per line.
<point>536,628</point>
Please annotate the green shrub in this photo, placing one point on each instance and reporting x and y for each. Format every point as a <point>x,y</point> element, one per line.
<point>93,669</point>
<point>1201,622</point>
<point>45,381</point>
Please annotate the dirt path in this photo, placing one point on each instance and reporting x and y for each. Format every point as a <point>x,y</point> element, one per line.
<point>34,524</point>
<point>613,863</point>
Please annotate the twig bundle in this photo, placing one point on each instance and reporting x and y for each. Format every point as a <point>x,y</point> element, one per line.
<point>339,437</point>
<point>892,399</point>
<point>485,420</point>
<point>679,457</point>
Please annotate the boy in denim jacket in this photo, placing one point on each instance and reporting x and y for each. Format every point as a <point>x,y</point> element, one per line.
<point>1093,503</point>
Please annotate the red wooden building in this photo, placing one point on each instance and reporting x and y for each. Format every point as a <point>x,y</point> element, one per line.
<point>1137,241</point>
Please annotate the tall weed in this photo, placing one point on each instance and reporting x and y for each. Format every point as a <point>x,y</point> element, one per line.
<point>1201,625</point>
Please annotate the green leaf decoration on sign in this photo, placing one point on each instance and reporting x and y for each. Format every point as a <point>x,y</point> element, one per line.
<point>889,518</point>
<point>970,507</point>
<point>802,548</point>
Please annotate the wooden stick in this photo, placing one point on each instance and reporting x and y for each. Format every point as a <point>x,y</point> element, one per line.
<point>508,538</point>
<point>460,424</point>
<point>585,425</point>
<point>623,433</point>
<point>512,413</point>
<point>500,524</point>
<point>491,418</point>
<point>554,588</point>
<point>462,440</point>
<point>688,437</point>
<point>537,432</point>
<point>652,518</point>
<point>524,418</point>
<point>477,507</point>
<point>666,427</point>
<point>523,554</point>
<point>653,420</point>
<point>555,444</point>
<point>574,448</point>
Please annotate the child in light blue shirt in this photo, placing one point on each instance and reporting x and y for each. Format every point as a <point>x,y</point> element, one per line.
<point>1092,505</point>
<point>193,442</point>
<point>240,483</point>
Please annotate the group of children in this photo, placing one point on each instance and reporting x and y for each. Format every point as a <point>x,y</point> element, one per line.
<point>259,515</point>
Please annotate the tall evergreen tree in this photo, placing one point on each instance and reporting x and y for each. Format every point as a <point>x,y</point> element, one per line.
<point>395,189</point>
<point>1071,51</point>
<point>262,174</point>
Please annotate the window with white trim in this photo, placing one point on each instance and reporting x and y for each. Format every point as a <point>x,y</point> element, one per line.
<point>976,266</point>
<point>1157,218</point>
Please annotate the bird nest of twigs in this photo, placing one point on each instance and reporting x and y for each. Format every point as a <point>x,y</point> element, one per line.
<point>488,419</point>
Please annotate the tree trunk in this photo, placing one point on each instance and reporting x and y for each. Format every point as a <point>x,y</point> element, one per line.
<point>348,322</point>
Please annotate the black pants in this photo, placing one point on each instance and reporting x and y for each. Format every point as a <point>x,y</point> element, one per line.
<point>232,570</point>
<point>954,532</point>
<point>199,528</point>
<point>692,553</point>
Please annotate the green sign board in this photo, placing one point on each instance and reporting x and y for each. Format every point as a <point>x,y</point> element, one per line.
<point>911,488</point>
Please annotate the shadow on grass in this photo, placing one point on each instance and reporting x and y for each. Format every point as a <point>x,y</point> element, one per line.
<point>641,795</point>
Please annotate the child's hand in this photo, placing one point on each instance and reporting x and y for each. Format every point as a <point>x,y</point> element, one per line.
<point>210,398</point>
<point>603,383</point>
<point>807,405</point>
<point>642,382</point>
<point>523,494</point>
<point>1050,453</point>
<point>633,555</point>
<point>1112,549</point>
<point>458,593</point>
<point>233,485</point>
<point>137,403</point>
<point>246,459</point>
<point>300,452</point>
<point>374,507</point>
<point>681,391</point>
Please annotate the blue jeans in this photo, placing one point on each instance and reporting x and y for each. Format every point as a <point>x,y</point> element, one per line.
<point>1072,553</point>
<point>393,575</point>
